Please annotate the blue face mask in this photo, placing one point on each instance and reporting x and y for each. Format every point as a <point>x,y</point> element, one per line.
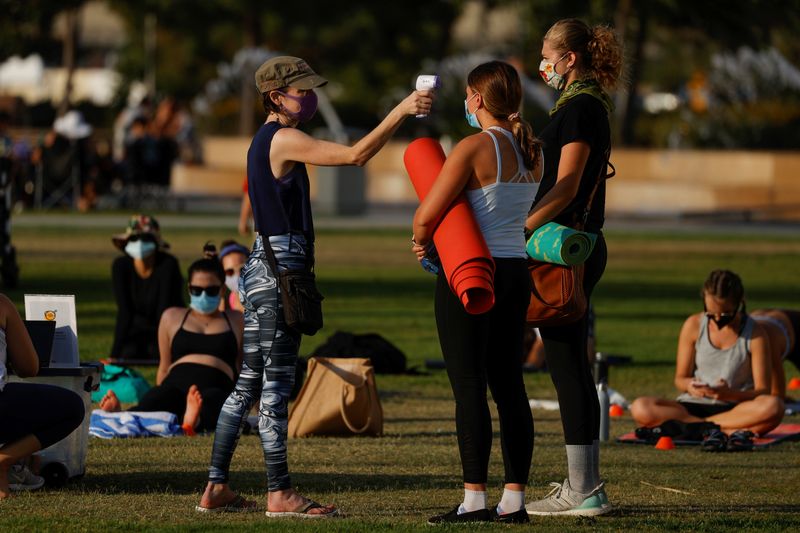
<point>472,118</point>
<point>140,249</point>
<point>204,303</point>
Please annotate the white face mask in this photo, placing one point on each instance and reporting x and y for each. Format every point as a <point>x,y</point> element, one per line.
<point>140,249</point>
<point>232,282</point>
<point>548,73</point>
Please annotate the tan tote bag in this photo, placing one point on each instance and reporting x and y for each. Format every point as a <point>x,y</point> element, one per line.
<point>339,397</point>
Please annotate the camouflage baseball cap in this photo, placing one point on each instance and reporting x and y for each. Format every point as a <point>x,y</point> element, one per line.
<point>287,71</point>
<point>140,225</point>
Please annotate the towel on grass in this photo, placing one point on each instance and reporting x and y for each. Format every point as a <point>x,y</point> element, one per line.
<point>126,424</point>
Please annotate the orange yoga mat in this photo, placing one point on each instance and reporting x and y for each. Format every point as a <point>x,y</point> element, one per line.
<point>465,257</point>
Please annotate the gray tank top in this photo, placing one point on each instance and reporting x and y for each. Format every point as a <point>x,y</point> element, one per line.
<point>732,364</point>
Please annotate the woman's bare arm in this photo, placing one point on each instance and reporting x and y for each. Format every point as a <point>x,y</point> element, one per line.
<point>570,169</point>
<point>290,144</point>
<point>21,353</point>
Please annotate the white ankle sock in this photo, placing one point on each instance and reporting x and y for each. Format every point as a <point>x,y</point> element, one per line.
<point>474,500</point>
<point>511,502</point>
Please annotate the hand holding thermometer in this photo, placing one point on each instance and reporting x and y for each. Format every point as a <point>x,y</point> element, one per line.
<point>427,82</point>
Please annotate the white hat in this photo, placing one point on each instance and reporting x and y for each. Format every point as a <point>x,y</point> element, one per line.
<point>72,126</point>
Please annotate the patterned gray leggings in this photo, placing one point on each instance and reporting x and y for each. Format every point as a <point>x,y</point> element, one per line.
<point>270,357</point>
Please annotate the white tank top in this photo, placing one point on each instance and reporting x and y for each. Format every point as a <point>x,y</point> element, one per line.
<point>502,207</point>
<point>3,357</point>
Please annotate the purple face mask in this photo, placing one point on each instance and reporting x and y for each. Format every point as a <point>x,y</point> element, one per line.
<point>308,106</point>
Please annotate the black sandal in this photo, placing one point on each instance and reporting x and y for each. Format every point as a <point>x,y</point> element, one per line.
<point>714,441</point>
<point>740,441</point>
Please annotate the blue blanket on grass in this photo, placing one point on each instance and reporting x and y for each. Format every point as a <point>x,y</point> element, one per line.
<point>126,424</point>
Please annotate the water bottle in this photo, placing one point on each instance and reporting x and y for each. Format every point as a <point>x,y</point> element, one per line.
<point>600,368</point>
<point>602,396</point>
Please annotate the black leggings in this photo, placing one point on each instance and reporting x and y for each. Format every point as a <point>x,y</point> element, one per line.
<point>487,348</point>
<point>47,412</point>
<point>568,362</point>
<point>214,386</point>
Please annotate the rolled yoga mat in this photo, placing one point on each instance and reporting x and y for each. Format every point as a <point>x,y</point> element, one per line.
<point>466,260</point>
<point>554,243</point>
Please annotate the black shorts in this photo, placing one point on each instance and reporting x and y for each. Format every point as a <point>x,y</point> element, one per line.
<point>704,410</point>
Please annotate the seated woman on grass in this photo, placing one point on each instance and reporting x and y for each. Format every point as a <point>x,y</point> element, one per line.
<point>724,371</point>
<point>201,354</point>
<point>33,416</point>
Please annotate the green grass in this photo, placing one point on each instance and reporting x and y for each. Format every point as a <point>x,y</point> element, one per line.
<point>372,284</point>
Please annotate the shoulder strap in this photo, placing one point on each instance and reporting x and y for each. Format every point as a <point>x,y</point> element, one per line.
<point>603,175</point>
<point>496,153</point>
<point>228,320</point>
<point>185,317</point>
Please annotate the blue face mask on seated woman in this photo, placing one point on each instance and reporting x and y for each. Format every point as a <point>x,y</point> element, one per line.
<point>204,300</point>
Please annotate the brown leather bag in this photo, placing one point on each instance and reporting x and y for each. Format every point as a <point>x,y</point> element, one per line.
<point>339,397</point>
<point>557,295</point>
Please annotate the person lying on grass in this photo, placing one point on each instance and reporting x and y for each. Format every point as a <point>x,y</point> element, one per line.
<point>725,373</point>
<point>200,353</point>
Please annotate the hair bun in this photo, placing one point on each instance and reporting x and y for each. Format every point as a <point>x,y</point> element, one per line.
<point>209,250</point>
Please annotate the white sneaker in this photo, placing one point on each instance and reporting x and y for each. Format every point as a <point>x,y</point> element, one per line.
<point>562,500</point>
<point>21,478</point>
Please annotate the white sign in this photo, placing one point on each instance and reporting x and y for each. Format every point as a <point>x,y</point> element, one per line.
<point>60,309</point>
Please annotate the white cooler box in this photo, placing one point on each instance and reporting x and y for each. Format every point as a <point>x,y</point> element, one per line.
<point>67,458</point>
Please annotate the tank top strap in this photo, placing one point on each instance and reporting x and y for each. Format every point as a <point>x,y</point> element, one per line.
<point>520,162</point>
<point>747,331</point>
<point>496,152</point>
<point>184,318</point>
<point>228,320</point>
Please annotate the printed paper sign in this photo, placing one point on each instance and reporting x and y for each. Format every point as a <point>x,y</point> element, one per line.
<point>60,309</point>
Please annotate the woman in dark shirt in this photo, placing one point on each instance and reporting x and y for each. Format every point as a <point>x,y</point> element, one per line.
<point>583,63</point>
<point>147,280</point>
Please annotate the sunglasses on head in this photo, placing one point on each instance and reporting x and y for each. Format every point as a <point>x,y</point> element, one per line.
<point>211,290</point>
<point>144,237</point>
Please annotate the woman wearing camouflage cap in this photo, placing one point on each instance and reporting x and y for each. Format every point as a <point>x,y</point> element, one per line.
<point>279,193</point>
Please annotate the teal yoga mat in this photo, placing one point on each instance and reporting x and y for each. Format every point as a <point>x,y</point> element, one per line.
<point>554,243</point>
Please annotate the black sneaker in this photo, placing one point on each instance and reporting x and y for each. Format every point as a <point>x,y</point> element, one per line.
<point>714,441</point>
<point>452,517</point>
<point>740,441</point>
<point>517,517</point>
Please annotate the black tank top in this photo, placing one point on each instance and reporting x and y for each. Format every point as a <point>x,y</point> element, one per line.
<point>220,345</point>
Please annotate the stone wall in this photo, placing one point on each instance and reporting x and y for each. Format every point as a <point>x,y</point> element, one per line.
<point>648,182</point>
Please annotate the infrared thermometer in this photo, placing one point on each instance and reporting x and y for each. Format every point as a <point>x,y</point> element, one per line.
<point>427,82</point>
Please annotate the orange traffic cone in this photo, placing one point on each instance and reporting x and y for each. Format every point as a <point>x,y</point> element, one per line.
<point>616,410</point>
<point>794,384</point>
<point>665,443</point>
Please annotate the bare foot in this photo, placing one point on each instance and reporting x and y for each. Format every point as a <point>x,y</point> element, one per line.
<point>220,495</point>
<point>283,501</point>
<point>194,401</point>
<point>110,402</point>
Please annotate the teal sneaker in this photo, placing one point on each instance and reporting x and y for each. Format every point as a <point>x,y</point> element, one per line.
<point>562,500</point>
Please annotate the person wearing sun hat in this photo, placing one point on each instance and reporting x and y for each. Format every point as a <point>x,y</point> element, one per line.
<point>146,281</point>
<point>278,188</point>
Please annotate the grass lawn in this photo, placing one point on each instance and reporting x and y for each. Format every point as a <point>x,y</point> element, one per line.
<point>372,284</point>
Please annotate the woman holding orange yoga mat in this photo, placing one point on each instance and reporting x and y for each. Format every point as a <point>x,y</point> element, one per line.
<point>499,170</point>
<point>582,63</point>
